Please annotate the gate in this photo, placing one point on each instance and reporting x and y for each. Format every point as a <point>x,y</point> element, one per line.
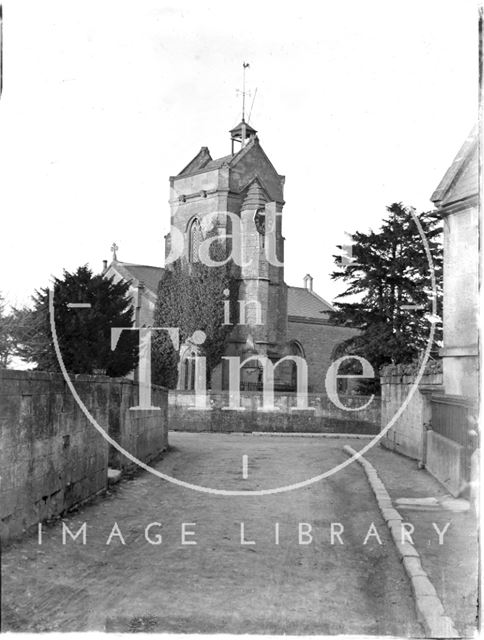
<point>454,417</point>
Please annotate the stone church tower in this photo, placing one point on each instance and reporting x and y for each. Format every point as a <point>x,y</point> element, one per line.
<point>246,185</point>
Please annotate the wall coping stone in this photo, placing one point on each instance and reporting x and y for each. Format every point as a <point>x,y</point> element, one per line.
<point>29,374</point>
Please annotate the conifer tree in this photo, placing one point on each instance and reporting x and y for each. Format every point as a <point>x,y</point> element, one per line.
<point>388,272</point>
<point>84,334</point>
<point>7,342</point>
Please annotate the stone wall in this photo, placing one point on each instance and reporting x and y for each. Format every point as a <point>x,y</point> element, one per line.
<point>51,457</point>
<point>143,433</point>
<point>322,416</point>
<point>407,435</point>
<point>318,341</point>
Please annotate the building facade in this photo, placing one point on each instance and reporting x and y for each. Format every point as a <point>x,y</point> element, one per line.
<point>457,200</point>
<point>239,198</point>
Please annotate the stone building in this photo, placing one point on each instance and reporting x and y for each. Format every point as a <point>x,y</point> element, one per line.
<point>240,198</point>
<point>310,333</point>
<point>143,284</point>
<point>457,198</point>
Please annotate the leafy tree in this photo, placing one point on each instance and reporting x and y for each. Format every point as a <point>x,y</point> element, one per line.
<point>191,297</point>
<point>84,334</point>
<point>389,270</point>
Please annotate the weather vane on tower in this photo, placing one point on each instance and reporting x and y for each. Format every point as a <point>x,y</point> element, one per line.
<point>243,131</point>
<point>245,65</point>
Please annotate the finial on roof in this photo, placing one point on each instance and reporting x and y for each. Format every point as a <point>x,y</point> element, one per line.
<point>308,282</point>
<point>114,248</point>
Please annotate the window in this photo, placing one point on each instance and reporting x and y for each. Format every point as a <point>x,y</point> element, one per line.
<point>194,240</point>
<point>295,349</point>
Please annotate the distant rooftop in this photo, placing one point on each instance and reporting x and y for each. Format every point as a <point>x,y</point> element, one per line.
<point>303,303</point>
<point>150,276</point>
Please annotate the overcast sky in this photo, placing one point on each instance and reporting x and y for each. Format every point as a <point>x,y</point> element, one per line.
<point>359,104</point>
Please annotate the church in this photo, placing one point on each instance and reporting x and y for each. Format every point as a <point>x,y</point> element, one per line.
<point>210,197</point>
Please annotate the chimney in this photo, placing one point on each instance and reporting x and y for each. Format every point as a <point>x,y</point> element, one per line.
<point>105,265</point>
<point>308,282</point>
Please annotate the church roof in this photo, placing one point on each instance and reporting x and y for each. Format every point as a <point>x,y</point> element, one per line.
<point>216,164</point>
<point>461,180</point>
<point>148,275</point>
<point>203,161</point>
<point>303,303</point>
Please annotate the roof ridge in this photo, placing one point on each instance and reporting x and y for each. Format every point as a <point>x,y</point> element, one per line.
<point>316,295</point>
<point>459,163</point>
<point>204,154</point>
<point>137,264</point>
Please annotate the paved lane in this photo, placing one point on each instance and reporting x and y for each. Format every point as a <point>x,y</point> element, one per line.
<point>219,584</point>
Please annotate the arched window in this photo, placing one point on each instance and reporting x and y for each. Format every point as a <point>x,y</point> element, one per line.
<point>187,371</point>
<point>295,349</point>
<point>194,240</point>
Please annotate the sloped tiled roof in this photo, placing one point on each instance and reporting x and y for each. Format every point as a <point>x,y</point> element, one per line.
<point>197,163</point>
<point>217,163</point>
<point>148,275</point>
<point>203,160</point>
<point>303,303</point>
<point>461,179</point>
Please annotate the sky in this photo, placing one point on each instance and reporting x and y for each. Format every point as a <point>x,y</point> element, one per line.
<point>358,104</point>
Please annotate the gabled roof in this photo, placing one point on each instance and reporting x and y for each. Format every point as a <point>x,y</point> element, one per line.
<point>203,161</point>
<point>303,303</point>
<point>461,179</point>
<point>140,273</point>
<point>216,164</point>
<point>198,162</point>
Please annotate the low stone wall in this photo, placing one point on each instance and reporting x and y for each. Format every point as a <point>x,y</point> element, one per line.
<point>141,432</point>
<point>407,435</point>
<point>321,417</point>
<point>51,457</point>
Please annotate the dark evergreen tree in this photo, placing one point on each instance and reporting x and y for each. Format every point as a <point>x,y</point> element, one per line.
<point>389,270</point>
<point>7,340</point>
<point>84,334</point>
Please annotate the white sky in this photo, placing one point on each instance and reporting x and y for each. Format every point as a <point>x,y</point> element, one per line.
<point>359,104</point>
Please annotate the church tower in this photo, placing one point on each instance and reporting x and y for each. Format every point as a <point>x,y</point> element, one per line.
<point>245,184</point>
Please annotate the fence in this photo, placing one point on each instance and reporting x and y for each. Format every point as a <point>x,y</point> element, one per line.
<point>452,418</point>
